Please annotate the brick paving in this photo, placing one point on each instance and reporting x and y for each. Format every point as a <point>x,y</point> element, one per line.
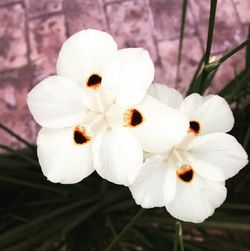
<point>32,32</point>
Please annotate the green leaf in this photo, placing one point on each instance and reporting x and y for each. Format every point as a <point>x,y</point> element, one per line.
<point>20,231</point>
<point>238,87</point>
<point>19,154</point>
<point>29,184</point>
<point>124,231</point>
<point>233,51</point>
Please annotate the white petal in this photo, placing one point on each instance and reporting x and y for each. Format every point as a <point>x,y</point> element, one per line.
<point>98,100</point>
<point>205,169</point>
<point>195,201</point>
<point>162,127</point>
<point>211,112</point>
<point>61,159</point>
<point>85,53</point>
<point>57,102</point>
<point>117,156</point>
<point>220,150</point>
<point>168,96</point>
<point>155,185</point>
<point>129,75</point>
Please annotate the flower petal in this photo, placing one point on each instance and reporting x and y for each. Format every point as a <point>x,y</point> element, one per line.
<point>161,128</point>
<point>195,201</point>
<point>64,158</point>
<point>155,185</point>
<point>211,112</point>
<point>168,96</point>
<point>205,169</point>
<point>85,53</point>
<point>219,151</point>
<point>57,102</point>
<point>129,75</point>
<point>117,156</point>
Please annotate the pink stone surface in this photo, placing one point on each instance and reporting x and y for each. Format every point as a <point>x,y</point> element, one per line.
<point>84,14</point>
<point>190,60</point>
<point>243,7</point>
<point>13,46</point>
<point>32,32</point>
<point>38,8</point>
<point>228,32</point>
<point>46,37</point>
<point>167,19</point>
<point>131,26</point>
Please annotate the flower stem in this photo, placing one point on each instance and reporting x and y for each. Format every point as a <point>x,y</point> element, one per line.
<point>124,230</point>
<point>233,51</point>
<point>213,4</point>
<point>178,238</point>
<point>183,18</point>
<point>6,129</point>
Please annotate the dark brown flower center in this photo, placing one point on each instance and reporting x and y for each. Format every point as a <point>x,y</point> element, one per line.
<point>194,127</point>
<point>135,118</point>
<point>186,173</point>
<point>94,81</point>
<point>80,136</point>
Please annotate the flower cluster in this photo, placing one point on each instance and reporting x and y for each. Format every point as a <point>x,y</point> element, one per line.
<point>101,113</point>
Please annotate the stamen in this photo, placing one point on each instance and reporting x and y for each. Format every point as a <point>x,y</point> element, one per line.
<point>194,127</point>
<point>80,136</point>
<point>185,173</point>
<point>133,118</point>
<point>94,81</point>
<point>177,155</point>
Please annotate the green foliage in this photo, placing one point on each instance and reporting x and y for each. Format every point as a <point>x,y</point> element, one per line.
<point>96,215</point>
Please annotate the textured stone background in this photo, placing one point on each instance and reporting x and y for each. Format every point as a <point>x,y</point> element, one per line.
<point>32,32</point>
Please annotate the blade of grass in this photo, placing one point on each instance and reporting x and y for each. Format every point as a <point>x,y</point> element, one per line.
<point>63,229</point>
<point>19,138</point>
<point>176,238</point>
<point>231,85</point>
<point>214,65</point>
<point>113,231</point>
<point>247,138</point>
<point>141,237</point>
<point>28,184</point>
<point>248,50</point>
<point>28,243</point>
<point>240,86</point>
<point>20,231</point>
<point>232,206</point>
<point>183,21</point>
<point>198,86</point>
<point>19,154</point>
<point>201,84</point>
<point>124,230</point>
<point>233,51</point>
<point>208,80</point>
<point>188,245</point>
<point>120,206</point>
<point>163,220</point>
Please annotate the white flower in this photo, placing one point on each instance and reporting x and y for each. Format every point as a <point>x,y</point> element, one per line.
<point>95,115</point>
<point>189,179</point>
